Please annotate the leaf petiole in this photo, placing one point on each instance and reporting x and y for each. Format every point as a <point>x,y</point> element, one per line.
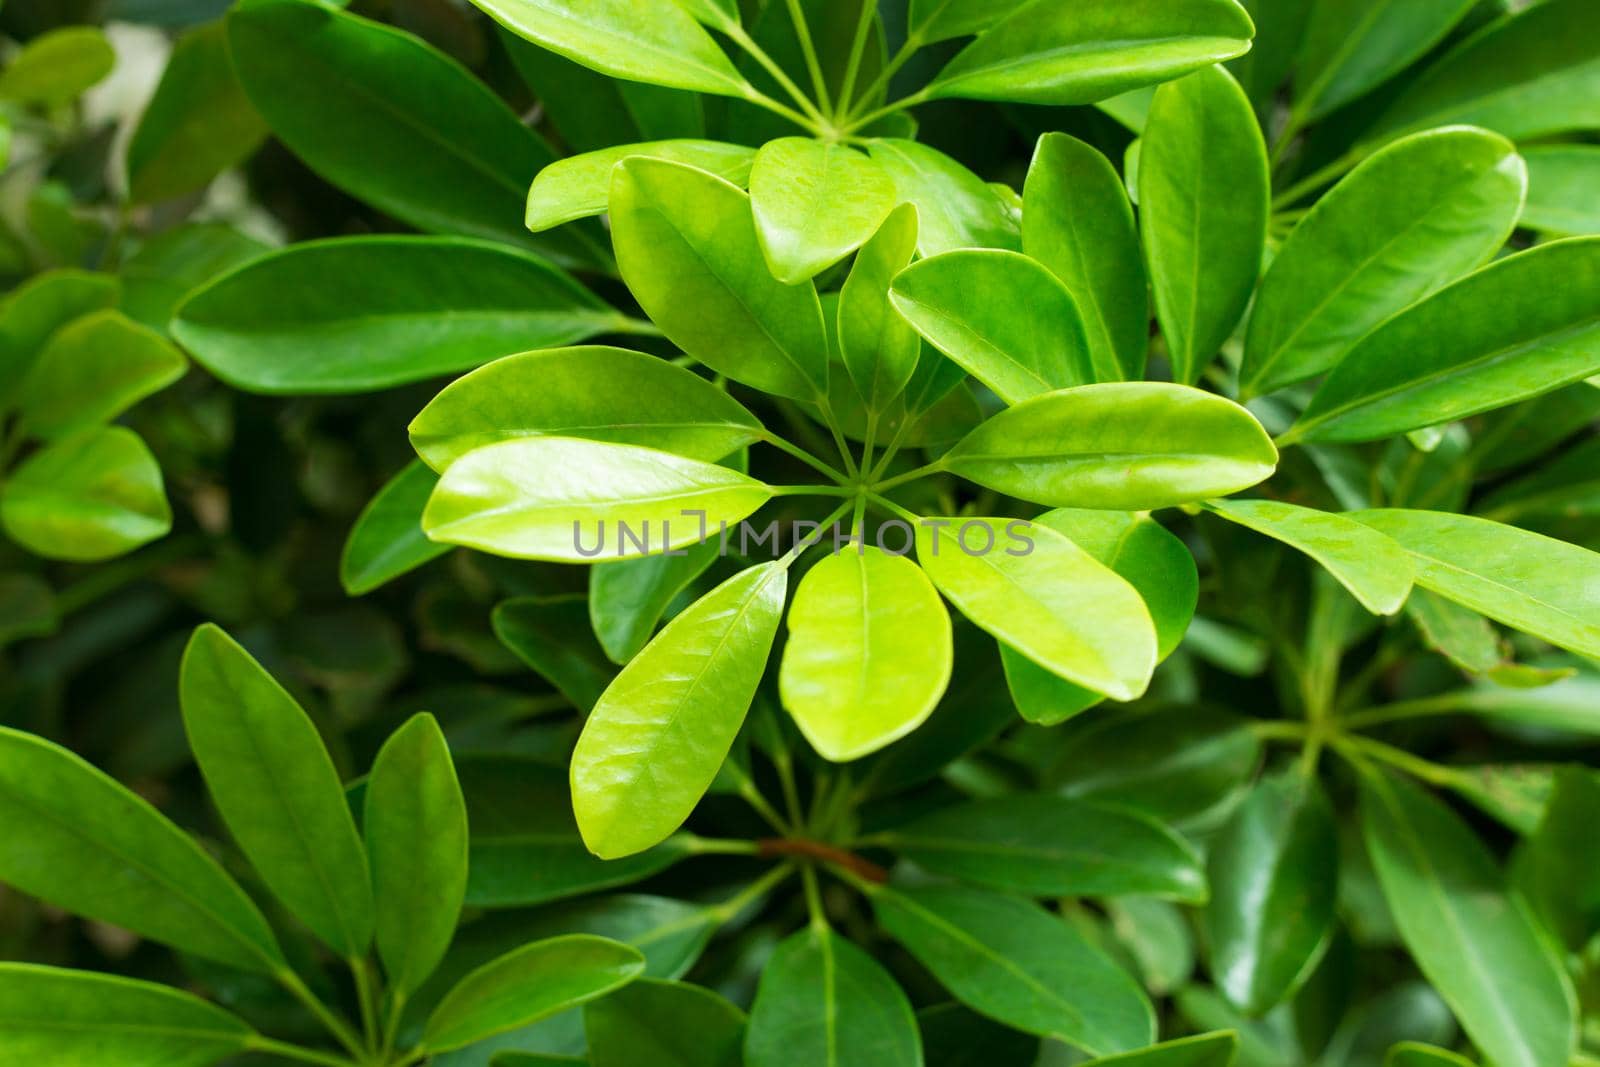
<point>335,1025</point>
<point>283,1049</point>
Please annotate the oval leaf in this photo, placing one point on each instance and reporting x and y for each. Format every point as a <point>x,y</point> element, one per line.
<point>1560,181</point>
<point>579,187</point>
<point>1205,1050</point>
<point>39,307</point>
<point>955,208</point>
<point>879,348</point>
<point>1351,48</point>
<point>814,204</point>
<point>664,1024</point>
<point>628,598</point>
<point>387,539</point>
<point>89,497</point>
<point>92,370</point>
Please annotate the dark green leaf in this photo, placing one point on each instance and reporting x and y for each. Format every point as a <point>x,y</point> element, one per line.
<point>1353,46</point>
<point>663,1024</point>
<point>552,635</point>
<point>1557,870</point>
<point>1206,1050</point>
<point>387,539</point>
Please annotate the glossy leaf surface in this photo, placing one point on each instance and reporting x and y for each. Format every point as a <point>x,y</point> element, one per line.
<point>1351,48</point>
<point>955,209</point>
<point>814,204</point>
<point>89,497</point>
<point>92,370</point>
<point>580,186</point>
<point>1560,181</point>
<point>880,349</point>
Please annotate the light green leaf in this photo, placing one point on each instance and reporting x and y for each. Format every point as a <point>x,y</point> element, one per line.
<point>627,598</point>
<point>1421,213</point>
<point>1353,46</point>
<point>1020,965</point>
<point>57,66</point>
<point>1561,181</point>
<point>592,392</point>
<point>1077,222</point>
<point>1077,54</point>
<point>53,1016</point>
<point>823,1001</point>
<point>658,736</point>
<point>1557,870</point>
<point>1412,1054</point>
<point>1376,570</point>
<point>879,348</point>
<point>1528,75</point>
<point>1122,445</point>
<point>1460,634</point>
<point>579,187</point>
<point>932,21</point>
<point>87,498</point>
<point>638,40</point>
<point>354,314</point>
<point>79,840</point>
<point>387,539</point>
<point>1040,845</point>
<point>276,788</point>
<point>551,634</point>
<point>575,501</point>
<point>1473,941</point>
<point>1522,326</point>
<point>416,833</point>
<point>1203,201</point>
<point>1047,598</point>
<point>92,370</point>
<point>686,242</point>
<point>1205,1050</point>
<point>814,204</point>
<point>198,124</point>
<point>1530,582</point>
<point>955,208</point>
<point>37,308</point>
<point>1000,315</point>
<point>1274,875</point>
<point>663,1024</point>
<point>528,984</point>
<point>850,677</point>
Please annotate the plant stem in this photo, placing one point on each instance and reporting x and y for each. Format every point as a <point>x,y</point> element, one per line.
<point>329,1019</point>
<point>1316,180</point>
<point>912,46</point>
<point>791,795</point>
<point>808,47</point>
<point>391,1026</point>
<point>812,490</point>
<point>366,995</point>
<point>890,505</point>
<point>259,1043</point>
<point>819,915</point>
<point>1416,766</point>
<point>740,37</point>
<point>839,441</point>
<point>762,100</point>
<point>886,110</point>
<point>1405,709</point>
<point>805,457</point>
<point>729,909</point>
<point>720,846</point>
<point>910,476</point>
<point>852,70</point>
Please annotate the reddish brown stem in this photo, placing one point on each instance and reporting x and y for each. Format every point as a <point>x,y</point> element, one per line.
<point>770,847</point>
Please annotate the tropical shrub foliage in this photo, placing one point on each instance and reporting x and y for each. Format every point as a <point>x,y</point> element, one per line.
<point>803,532</point>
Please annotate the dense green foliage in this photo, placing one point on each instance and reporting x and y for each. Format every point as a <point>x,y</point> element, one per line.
<point>800,533</point>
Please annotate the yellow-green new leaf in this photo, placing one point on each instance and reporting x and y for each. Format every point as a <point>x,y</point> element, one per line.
<point>687,246</point>
<point>814,204</point>
<point>94,369</point>
<point>580,186</point>
<point>416,833</point>
<point>1126,446</point>
<point>89,497</point>
<point>528,984</point>
<point>955,208</point>
<point>880,349</point>
<point>1376,570</point>
<point>276,789</point>
<point>79,840</point>
<point>657,738</point>
<point>1530,582</point>
<point>1047,598</point>
<point>1204,196</point>
<point>574,501</point>
<point>869,652</point>
<point>55,1017</point>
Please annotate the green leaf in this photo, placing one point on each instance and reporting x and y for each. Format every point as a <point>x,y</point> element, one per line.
<point>354,314</point>
<point>393,122</point>
<point>932,21</point>
<point>1020,965</point>
<point>528,984</point>
<point>955,208</point>
<point>671,933</point>
<point>1418,214</point>
<point>814,204</point>
<point>84,843</point>
<point>556,498</point>
<point>879,348</point>
<point>1560,178</point>
<point>197,125</point>
<point>1530,582</point>
<point>53,1016</point>
<point>387,539</point>
<point>638,40</point>
<point>1152,560</point>
<point>92,370</point>
<point>850,677</point>
<point>1376,570</point>
<point>168,267</point>
<point>552,635</point>
<point>1002,316</point>
<point>1528,75</point>
<point>1077,221</point>
<point>55,67</point>
<point>1274,874</point>
<point>627,598</point>
<point>686,242</point>
<point>658,736</point>
<point>1047,598</point>
<point>28,608</point>
<point>1460,634</point>
<point>1204,1050</point>
<point>592,392</point>
<point>1047,846</point>
<point>415,824</point>
<point>664,1024</point>
<point>1556,871</point>
<point>824,1001</point>
<point>1203,201</point>
<point>1412,1054</point>
<point>1475,943</point>
<point>1351,47</point>
<point>1122,445</point>
<point>276,788</point>
<point>1073,54</point>
<point>1522,326</point>
<point>39,307</point>
<point>86,498</point>
<point>579,187</point>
